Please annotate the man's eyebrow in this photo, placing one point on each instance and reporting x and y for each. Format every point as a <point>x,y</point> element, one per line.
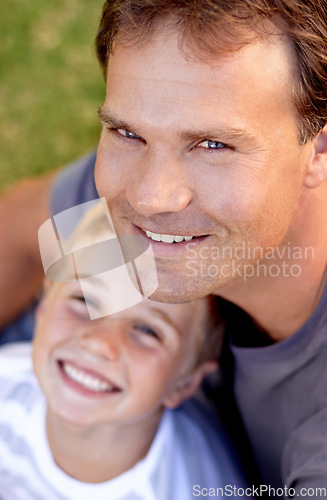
<point>219,133</point>
<point>108,119</point>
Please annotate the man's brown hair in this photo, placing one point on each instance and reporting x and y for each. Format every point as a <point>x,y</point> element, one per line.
<point>212,26</point>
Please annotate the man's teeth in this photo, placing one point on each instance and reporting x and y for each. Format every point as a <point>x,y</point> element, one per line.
<point>167,238</point>
<point>86,380</point>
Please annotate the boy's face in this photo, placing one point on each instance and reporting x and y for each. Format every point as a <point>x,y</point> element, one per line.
<point>117,369</point>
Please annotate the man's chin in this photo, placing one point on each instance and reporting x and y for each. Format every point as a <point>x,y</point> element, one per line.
<point>169,297</point>
<point>171,282</point>
<point>173,293</point>
<point>176,287</point>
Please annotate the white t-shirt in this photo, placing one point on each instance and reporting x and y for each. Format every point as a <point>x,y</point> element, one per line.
<point>188,451</point>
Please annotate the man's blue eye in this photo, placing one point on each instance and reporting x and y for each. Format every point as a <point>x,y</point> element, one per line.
<point>208,144</point>
<point>128,134</point>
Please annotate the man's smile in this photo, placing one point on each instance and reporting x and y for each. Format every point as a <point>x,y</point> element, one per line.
<point>169,245</point>
<point>167,238</point>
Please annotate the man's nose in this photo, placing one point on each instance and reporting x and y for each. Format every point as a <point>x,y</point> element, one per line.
<point>160,185</point>
<point>105,341</point>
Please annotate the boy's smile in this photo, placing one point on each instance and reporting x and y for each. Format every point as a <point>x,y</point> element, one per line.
<point>86,381</point>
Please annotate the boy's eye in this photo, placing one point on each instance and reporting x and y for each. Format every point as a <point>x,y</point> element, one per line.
<point>147,330</point>
<point>84,300</point>
<point>81,301</point>
<point>79,298</point>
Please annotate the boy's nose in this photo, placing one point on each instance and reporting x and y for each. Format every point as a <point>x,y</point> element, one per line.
<point>105,343</point>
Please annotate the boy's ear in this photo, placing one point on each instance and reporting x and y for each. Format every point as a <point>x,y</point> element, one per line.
<point>317,168</point>
<point>189,384</point>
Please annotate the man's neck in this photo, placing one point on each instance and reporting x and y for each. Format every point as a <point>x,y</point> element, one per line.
<point>281,304</point>
<point>101,452</point>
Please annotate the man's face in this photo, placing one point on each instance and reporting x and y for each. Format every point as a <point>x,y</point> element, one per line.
<point>119,369</point>
<point>199,149</point>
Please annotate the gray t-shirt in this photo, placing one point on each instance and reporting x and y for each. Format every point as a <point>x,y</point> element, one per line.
<point>281,393</point>
<point>74,185</point>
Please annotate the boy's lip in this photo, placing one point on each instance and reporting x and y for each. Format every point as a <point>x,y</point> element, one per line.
<point>85,379</point>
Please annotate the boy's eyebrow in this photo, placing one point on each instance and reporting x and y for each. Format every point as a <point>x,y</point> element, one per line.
<point>164,316</point>
<point>225,133</point>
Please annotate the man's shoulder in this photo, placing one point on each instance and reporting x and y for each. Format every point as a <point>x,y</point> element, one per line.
<point>74,185</point>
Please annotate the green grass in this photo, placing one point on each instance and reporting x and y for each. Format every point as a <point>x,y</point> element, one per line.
<point>50,84</point>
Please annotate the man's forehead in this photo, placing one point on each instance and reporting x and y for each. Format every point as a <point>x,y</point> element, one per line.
<point>163,52</point>
<point>141,79</point>
<point>208,51</point>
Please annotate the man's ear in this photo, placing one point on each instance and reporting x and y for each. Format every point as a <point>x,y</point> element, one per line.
<point>188,385</point>
<point>317,168</point>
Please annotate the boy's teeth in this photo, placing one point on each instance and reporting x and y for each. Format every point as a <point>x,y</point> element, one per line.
<point>86,380</point>
<point>167,238</point>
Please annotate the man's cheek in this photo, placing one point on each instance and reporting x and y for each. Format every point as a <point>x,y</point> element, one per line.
<point>108,183</point>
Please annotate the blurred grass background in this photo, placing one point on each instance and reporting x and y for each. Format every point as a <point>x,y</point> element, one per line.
<point>50,84</point>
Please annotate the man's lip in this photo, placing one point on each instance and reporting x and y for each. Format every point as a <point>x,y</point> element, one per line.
<point>169,251</point>
<point>88,371</point>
